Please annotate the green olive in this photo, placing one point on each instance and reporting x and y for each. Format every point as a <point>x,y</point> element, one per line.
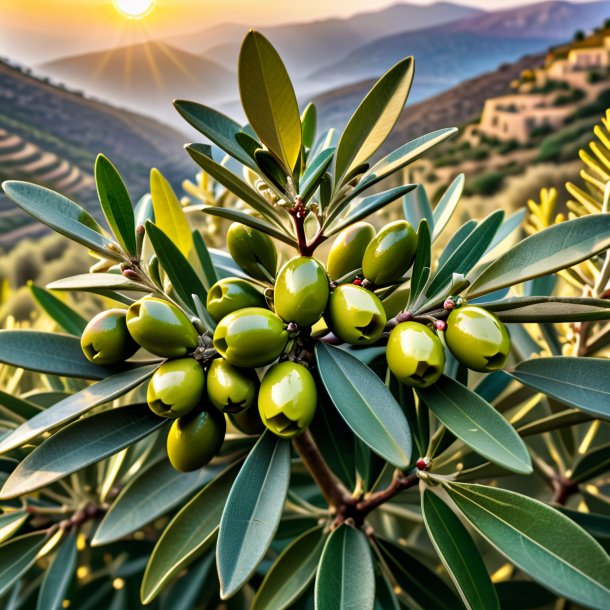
<point>355,314</point>
<point>301,291</point>
<point>415,355</point>
<point>161,328</point>
<point>106,339</point>
<point>176,387</point>
<point>231,389</point>
<point>348,249</point>
<point>230,294</point>
<point>250,248</point>
<point>250,337</point>
<point>193,440</point>
<point>249,421</point>
<point>287,399</point>
<point>390,254</point>
<point>477,338</point>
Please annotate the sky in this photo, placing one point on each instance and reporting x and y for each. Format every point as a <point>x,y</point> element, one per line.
<point>37,30</point>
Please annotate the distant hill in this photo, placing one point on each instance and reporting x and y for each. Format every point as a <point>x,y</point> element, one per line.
<point>308,44</point>
<point>51,136</point>
<point>145,77</point>
<point>450,53</point>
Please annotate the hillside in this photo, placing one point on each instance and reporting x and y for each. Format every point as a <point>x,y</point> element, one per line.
<point>51,135</point>
<point>450,53</point>
<point>145,77</point>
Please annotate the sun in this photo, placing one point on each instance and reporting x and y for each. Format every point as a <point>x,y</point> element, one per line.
<point>134,9</point>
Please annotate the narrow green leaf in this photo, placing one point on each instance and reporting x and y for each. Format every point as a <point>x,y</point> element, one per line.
<point>215,126</point>
<point>71,407</point>
<point>78,445</point>
<point>169,215</point>
<point>149,495</point>
<point>314,173</point>
<point>271,169</point>
<point>68,319</point>
<point>468,253</point>
<point>291,573</point>
<point>474,421</point>
<point>366,404</point>
<point>309,124</point>
<point>459,554</point>
<point>346,574</point>
<point>456,240</point>
<point>210,277</point>
<point>416,580</point>
<point>545,544</point>
<point>58,576</point>
<point>446,205</point>
<point>30,349</point>
<point>423,261</point>
<point>252,512</point>
<point>235,184</point>
<point>511,225</point>
<point>523,595</point>
<point>268,98</point>
<point>62,215</point>
<point>21,407</point>
<point>385,598</point>
<point>592,465</point>
<point>10,523</point>
<point>116,203</point>
<point>17,556</point>
<point>189,534</point>
<point>416,207</point>
<point>181,274</point>
<point>550,309</point>
<point>558,247</point>
<point>578,382</point>
<point>597,525</point>
<point>374,119</point>
<point>91,282</point>
<point>556,421</point>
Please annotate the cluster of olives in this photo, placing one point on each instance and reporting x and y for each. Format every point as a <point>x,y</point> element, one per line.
<point>254,370</point>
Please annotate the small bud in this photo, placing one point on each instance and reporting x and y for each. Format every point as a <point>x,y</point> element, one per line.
<point>440,325</point>
<point>357,282</point>
<point>423,463</point>
<point>292,327</point>
<point>449,304</point>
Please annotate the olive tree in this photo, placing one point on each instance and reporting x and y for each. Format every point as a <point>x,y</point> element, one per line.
<point>260,429</point>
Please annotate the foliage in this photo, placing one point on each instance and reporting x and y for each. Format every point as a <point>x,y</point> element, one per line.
<point>390,481</point>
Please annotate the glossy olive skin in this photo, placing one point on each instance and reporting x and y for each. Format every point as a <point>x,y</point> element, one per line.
<point>301,291</point>
<point>390,254</point>
<point>287,399</point>
<point>348,249</point>
<point>248,247</point>
<point>161,328</point>
<point>106,339</point>
<point>249,421</point>
<point>477,338</point>
<point>415,355</point>
<point>231,389</point>
<point>176,387</point>
<point>355,314</point>
<point>193,440</point>
<point>250,337</point>
<point>230,294</point>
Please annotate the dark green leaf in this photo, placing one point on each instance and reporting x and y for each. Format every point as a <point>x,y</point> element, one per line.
<point>271,169</point>
<point>291,573</point>
<point>17,556</point>
<point>188,591</point>
<point>578,382</point>
<point>116,203</point>
<point>374,119</point>
<point>181,274</point>
<point>446,205</point>
<point>78,445</point>
<point>346,574</point>
<point>421,267</point>
<point>309,125</point>
<point>210,277</point>
<point>252,512</point>
<point>149,495</point>
<point>215,126</point>
<point>366,404</point>
<point>512,224</point>
<point>385,599</point>
<point>468,253</point>
<point>456,240</point>
<point>593,464</point>
<point>558,247</point>
<point>597,525</point>
<point>459,554</point>
<point>416,207</point>
<point>417,580</point>
<point>69,320</point>
<point>474,421</point>
<point>550,309</point>
<point>58,576</point>
<point>189,534</point>
<point>62,215</point>
<point>71,407</point>
<point>268,98</point>
<point>539,540</point>
<point>563,419</point>
<point>314,173</point>
<point>523,595</point>
<point>23,409</point>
